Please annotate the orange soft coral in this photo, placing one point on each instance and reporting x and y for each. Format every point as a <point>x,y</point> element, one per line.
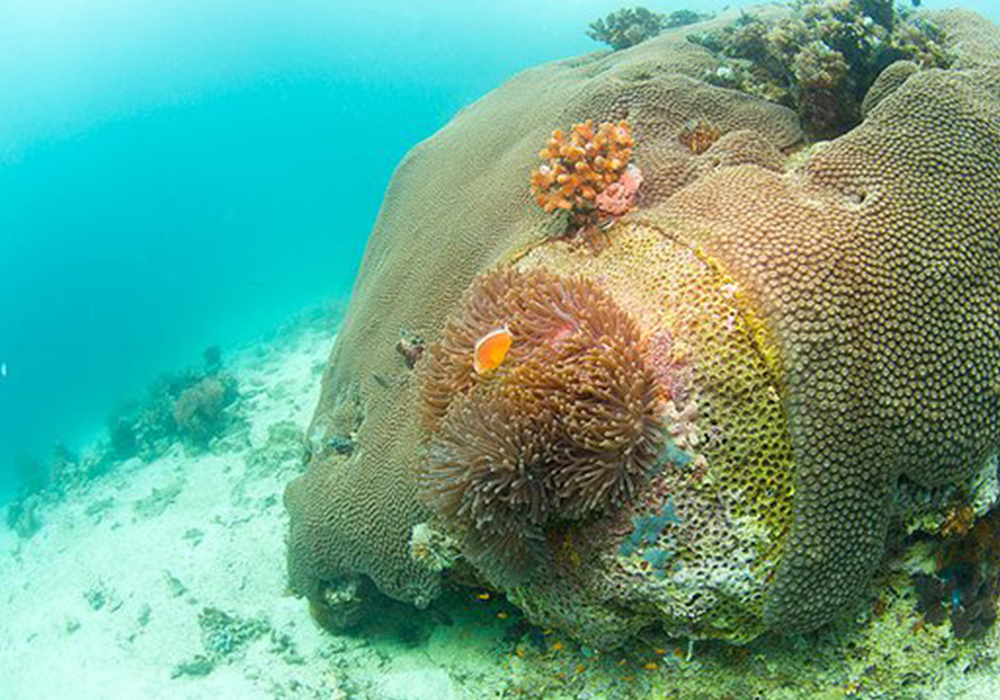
<point>580,165</point>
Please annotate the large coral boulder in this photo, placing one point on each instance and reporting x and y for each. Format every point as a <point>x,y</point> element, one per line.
<point>702,422</point>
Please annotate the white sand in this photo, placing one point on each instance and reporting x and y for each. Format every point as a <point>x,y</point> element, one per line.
<point>104,601</point>
<point>106,604</point>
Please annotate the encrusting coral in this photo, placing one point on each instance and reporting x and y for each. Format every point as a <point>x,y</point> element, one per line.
<point>566,427</point>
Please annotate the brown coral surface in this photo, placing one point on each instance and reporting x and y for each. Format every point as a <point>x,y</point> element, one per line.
<point>873,264</point>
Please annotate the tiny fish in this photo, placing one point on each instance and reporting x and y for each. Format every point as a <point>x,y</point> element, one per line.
<point>491,350</point>
<point>3,370</point>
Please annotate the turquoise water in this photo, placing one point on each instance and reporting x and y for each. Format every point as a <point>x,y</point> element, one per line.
<point>174,175</point>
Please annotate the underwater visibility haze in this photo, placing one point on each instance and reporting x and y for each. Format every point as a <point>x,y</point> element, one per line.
<point>186,174</point>
<point>441,350</point>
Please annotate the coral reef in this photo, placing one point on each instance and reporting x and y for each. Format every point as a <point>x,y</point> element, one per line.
<point>710,497</point>
<point>42,482</point>
<point>823,59</point>
<point>581,164</point>
<point>626,27</point>
<point>199,410</point>
<point>187,404</point>
<point>566,428</point>
<point>630,26</point>
<point>821,328</point>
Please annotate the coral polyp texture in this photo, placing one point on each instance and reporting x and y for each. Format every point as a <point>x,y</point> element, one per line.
<point>580,165</point>
<point>567,427</point>
<point>710,423</point>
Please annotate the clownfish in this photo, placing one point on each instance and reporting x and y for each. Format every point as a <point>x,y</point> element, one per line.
<point>491,350</point>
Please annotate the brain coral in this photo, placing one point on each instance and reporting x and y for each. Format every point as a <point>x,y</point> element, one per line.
<point>823,327</point>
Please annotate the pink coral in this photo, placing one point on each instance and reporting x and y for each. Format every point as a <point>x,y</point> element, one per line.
<point>619,197</point>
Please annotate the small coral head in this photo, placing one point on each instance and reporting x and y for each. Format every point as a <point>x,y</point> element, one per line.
<point>699,135</point>
<point>580,164</point>
<point>566,426</point>
<point>491,350</point>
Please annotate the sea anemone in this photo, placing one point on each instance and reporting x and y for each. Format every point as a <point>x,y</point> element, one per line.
<point>566,428</point>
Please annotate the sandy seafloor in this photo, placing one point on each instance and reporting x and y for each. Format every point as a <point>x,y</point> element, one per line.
<point>167,579</point>
<point>108,598</point>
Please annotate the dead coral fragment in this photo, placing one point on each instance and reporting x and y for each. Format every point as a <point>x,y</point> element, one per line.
<point>567,427</point>
<point>581,164</point>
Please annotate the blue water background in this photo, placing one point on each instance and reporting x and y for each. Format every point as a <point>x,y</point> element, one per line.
<point>181,173</point>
